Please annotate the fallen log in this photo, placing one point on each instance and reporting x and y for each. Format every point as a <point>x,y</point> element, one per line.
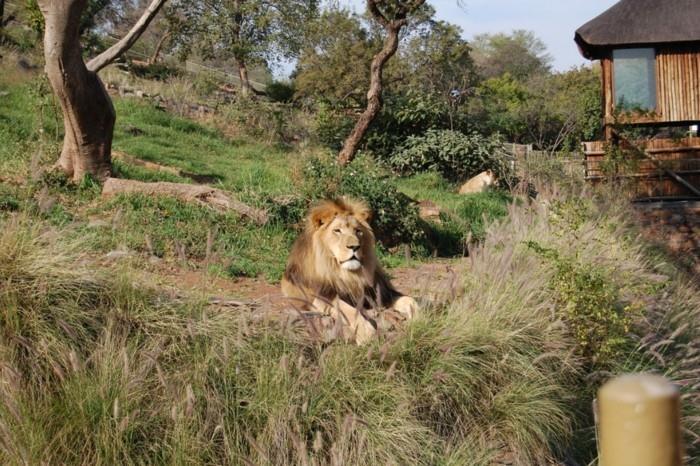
<point>145,164</point>
<point>203,195</point>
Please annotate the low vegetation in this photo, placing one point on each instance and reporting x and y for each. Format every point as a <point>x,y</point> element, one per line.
<point>101,369</point>
<point>554,291</point>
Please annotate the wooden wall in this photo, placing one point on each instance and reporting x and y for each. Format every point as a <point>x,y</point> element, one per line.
<point>677,88</point>
<point>646,178</point>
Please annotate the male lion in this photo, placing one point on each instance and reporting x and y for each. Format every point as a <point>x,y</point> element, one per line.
<point>333,268</point>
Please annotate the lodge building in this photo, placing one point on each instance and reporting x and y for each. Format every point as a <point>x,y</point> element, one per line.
<point>649,52</point>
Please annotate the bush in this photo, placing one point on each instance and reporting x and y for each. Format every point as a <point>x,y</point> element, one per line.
<point>156,71</point>
<point>456,156</point>
<point>280,91</point>
<point>590,304</point>
<point>332,126</point>
<point>395,218</point>
<point>403,116</point>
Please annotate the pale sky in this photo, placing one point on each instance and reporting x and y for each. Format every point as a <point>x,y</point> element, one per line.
<point>553,21</point>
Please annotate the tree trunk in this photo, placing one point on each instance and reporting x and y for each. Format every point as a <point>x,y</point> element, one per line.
<point>374,95</point>
<point>159,47</point>
<point>88,114</point>
<point>246,88</point>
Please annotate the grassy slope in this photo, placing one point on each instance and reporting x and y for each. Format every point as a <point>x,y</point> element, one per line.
<point>101,370</point>
<point>250,169</point>
<point>255,172</point>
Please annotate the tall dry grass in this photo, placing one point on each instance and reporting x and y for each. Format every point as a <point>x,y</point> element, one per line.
<point>95,369</point>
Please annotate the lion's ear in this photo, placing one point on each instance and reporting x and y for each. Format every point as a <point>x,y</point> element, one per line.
<point>360,210</point>
<point>322,214</point>
<point>364,214</point>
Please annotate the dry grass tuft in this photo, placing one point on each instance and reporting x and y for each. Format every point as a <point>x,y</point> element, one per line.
<point>97,370</point>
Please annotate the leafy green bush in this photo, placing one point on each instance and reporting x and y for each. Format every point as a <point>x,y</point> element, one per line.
<point>403,116</point>
<point>456,156</point>
<point>332,126</point>
<point>155,71</point>
<point>395,218</point>
<point>590,304</point>
<point>280,91</point>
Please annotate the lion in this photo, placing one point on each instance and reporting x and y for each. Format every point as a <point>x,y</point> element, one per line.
<point>333,268</point>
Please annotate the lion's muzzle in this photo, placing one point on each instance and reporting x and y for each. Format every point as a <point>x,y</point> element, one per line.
<point>351,264</point>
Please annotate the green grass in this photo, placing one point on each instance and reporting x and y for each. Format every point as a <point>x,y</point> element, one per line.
<point>104,370</point>
<point>252,170</point>
<point>163,225</point>
<point>465,217</point>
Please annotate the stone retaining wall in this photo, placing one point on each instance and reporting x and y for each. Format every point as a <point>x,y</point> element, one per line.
<point>675,226</point>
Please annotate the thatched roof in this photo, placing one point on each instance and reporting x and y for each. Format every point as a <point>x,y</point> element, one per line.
<point>640,23</point>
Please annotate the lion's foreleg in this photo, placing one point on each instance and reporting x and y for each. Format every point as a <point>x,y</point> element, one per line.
<point>406,306</point>
<point>358,328</point>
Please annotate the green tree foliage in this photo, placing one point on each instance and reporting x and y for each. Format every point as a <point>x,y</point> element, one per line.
<point>426,84</point>
<point>94,16</point>
<point>333,65</point>
<point>438,61</point>
<point>553,111</point>
<point>520,53</point>
<point>246,32</point>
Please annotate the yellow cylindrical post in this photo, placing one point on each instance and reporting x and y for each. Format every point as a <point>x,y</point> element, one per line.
<point>639,422</point>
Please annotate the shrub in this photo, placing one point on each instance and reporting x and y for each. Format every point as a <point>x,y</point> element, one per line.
<point>156,71</point>
<point>403,116</point>
<point>332,126</point>
<point>280,91</point>
<point>590,303</point>
<point>456,156</point>
<point>395,218</point>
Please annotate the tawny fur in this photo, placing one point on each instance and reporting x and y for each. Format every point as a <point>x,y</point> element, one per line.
<point>313,272</point>
<point>479,183</point>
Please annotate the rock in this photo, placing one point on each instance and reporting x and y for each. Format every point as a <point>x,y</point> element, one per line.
<point>428,210</point>
<point>118,254</point>
<point>479,183</point>
<point>98,223</point>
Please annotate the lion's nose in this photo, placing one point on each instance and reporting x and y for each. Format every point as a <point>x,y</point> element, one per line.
<point>353,247</point>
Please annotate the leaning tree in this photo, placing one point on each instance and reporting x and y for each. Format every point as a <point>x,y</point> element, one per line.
<point>88,113</point>
<point>392,15</point>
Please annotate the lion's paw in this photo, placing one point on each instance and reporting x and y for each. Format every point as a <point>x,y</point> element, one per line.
<point>365,332</point>
<point>407,307</point>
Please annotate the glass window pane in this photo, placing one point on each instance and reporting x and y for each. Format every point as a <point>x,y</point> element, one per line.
<point>635,79</point>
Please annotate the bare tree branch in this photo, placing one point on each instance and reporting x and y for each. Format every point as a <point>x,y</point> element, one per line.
<point>115,51</point>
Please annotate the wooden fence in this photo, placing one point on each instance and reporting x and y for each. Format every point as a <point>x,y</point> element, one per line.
<point>530,162</point>
<point>652,167</point>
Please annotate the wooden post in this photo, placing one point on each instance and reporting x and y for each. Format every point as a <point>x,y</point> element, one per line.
<point>639,419</point>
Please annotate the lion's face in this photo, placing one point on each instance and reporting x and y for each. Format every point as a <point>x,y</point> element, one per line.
<point>342,231</point>
<point>335,253</point>
<point>344,237</point>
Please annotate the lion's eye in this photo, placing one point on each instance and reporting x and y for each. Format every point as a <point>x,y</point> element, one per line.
<point>337,231</point>
<point>358,232</point>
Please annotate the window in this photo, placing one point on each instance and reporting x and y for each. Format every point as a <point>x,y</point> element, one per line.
<point>635,79</point>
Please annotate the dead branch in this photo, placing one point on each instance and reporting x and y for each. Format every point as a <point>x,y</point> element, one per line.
<point>199,194</point>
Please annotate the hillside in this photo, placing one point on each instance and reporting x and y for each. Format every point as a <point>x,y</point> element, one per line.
<point>141,330</point>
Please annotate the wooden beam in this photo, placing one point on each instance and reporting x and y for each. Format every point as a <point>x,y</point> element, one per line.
<point>658,164</point>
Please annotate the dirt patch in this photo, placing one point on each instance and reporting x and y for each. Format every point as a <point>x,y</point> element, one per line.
<point>428,282</point>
